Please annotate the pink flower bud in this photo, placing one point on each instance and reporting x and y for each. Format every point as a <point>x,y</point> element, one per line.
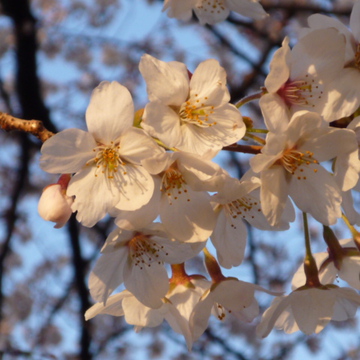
<point>54,204</point>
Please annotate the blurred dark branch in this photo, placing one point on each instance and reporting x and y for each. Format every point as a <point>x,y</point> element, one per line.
<point>309,8</point>
<point>246,149</point>
<point>79,276</point>
<point>11,214</point>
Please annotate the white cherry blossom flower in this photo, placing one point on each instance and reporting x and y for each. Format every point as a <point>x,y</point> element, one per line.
<point>54,205</point>
<point>309,309</point>
<point>185,208</point>
<point>137,314</point>
<point>105,160</point>
<point>345,94</point>
<point>136,258</point>
<point>227,296</point>
<point>213,11</point>
<point>347,268</point>
<point>300,79</point>
<point>289,165</point>
<point>234,204</point>
<point>192,115</point>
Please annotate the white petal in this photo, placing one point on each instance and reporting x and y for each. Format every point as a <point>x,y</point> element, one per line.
<point>312,309</point>
<point>94,196</point>
<point>107,274</point>
<point>168,129</point>
<point>248,8</point>
<point>113,306</point>
<point>229,239</point>
<point>67,151</point>
<point>315,191</point>
<point>110,112</point>
<point>188,216</point>
<point>149,283</point>
<point>279,68</point>
<point>165,82</point>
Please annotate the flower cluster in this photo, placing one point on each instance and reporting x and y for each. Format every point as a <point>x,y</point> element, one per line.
<point>156,177</point>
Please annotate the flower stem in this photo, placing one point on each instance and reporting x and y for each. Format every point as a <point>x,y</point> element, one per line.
<point>310,268</point>
<point>354,232</point>
<point>258,139</point>
<point>249,98</point>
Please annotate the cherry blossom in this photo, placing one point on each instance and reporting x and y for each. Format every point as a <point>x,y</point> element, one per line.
<point>345,95</point>
<point>300,79</point>
<point>185,208</point>
<point>192,115</point>
<point>105,160</point>
<point>233,204</point>
<point>137,314</point>
<point>136,258</point>
<point>213,11</point>
<point>289,165</point>
<point>309,309</point>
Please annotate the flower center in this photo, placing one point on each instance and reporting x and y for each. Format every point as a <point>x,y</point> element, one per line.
<point>241,208</point>
<point>301,92</point>
<point>144,251</point>
<point>173,183</point>
<point>212,6</point>
<point>107,160</point>
<point>196,112</point>
<point>292,159</point>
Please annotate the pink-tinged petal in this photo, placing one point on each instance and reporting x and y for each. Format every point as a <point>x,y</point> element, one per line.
<point>276,113</point>
<point>54,205</point>
<point>248,8</point>
<point>136,145</point>
<point>107,274</point>
<point>313,55</point>
<point>94,196</point>
<point>229,239</point>
<point>168,129</point>
<point>67,151</point>
<point>274,193</point>
<point>343,96</point>
<point>354,21</point>
<point>312,309</point>
<point>166,83</point>
<point>136,186</point>
<point>208,83</point>
<point>188,216</point>
<point>270,316</point>
<point>315,191</point>
<point>113,306</point>
<point>200,316</point>
<point>138,314</point>
<point>279,69</point>
<point>110,112</point>
<point>149,283</point>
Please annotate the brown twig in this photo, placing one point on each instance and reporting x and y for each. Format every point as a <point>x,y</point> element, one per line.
<point>34,127</point>
<point>247,149</point>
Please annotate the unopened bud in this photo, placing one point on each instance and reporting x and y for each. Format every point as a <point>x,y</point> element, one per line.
<point>54,204</point>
